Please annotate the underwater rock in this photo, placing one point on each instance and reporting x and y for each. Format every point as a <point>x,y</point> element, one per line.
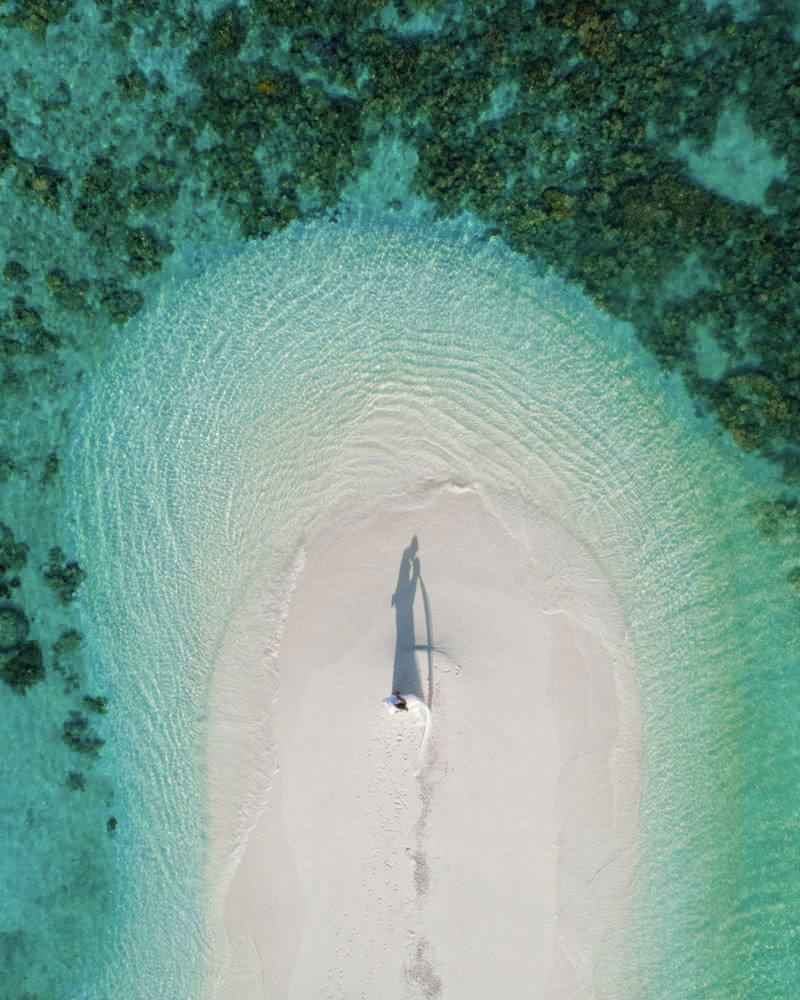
<point>597,30</point>
<point>62,576</point>
<point>50,467</point>
<point>35,15</point>
<point>560,204</point>
<point>68,642</point>
<point>28,322</point>
<point>7,155</point>
<point>227,32</point>
<point>80,737</point>
<point>13,554</point>
<point>97,705</point>
<point>132,86</point>
<point>15,272</point>
<point>23,668</point>
<point>60,99</point>
<point>75,782</point>
<point>39,181</point>
<point>14,627</point>
<point>99,210</point>
<point>6,466</point>
<point>154,188</point>
<point>70,294</point>
<point>145,250</point>
<point>538,75</point>
<point>24,315</point>
<point>777,518</point>
<point>121,304</point>
<point>68,661</point>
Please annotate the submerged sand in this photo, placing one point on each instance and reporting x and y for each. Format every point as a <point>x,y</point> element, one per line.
<point>505,863</point>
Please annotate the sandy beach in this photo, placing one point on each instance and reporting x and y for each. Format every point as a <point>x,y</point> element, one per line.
<point>499,860</point>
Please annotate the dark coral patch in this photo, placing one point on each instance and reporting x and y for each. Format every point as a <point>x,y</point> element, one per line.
<point>23,667</point>
<point>80,737</point>
<point>63,576</point>
<point>14,627</point>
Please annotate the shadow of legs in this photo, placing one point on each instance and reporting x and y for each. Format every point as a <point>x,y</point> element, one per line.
<point>405,676</point>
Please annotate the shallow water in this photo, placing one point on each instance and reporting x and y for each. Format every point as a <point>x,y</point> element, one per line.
<point>363,362</point>
<point>184,458</point>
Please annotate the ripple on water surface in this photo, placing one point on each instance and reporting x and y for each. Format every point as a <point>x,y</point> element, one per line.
<point>360,363</point>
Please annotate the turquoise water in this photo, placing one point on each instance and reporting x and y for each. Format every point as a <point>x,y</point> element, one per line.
<point>182,404</point>
<point>362,362</point>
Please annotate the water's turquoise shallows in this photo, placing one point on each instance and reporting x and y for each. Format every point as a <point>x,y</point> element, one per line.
<point>367,360</point>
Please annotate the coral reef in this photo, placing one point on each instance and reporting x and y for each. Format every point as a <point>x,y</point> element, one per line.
<point>80,737</point>
<point>563,126</point>
<point>64,577</point>
<point>97,705</point>
<point>22,667</point>
<point>14,627</point>
<point>558,125</point>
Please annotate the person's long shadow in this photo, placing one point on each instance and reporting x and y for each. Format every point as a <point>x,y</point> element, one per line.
<point>406,676</point>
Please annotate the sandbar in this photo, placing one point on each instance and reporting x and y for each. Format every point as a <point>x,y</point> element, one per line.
<point>498,864</point>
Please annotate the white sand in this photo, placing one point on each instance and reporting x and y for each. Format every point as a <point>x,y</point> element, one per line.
<point>503,868</point>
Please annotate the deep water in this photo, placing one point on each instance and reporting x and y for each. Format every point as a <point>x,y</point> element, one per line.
<point>649,161</point>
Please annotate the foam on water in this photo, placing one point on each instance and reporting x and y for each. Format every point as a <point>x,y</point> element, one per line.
<point>368,362</point>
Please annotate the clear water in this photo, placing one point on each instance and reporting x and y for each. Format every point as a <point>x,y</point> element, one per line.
<point>364,361</point>
<point>200,444</point>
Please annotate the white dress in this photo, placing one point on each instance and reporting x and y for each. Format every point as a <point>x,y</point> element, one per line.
<point>393,703</point>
